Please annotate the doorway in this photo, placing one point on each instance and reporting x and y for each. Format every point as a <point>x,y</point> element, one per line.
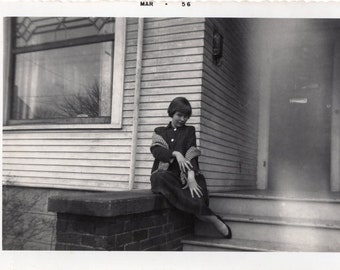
<point>300,110</point>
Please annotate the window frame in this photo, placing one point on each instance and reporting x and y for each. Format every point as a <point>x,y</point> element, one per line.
<point>117,88</point>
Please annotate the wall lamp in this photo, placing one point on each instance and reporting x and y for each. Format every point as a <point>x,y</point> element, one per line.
<point>217,48</point>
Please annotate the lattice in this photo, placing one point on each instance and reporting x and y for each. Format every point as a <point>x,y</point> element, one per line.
<point>28,27</point>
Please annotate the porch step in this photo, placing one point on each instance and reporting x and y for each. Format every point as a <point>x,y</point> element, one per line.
<point>306,205</point>
<point>198,243</point>
<point>268,221</point>
<point>318,233</point>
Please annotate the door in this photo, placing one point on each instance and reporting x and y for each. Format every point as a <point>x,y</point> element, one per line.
<point>299,135</point>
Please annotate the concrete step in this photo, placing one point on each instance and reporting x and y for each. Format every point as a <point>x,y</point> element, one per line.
<point>312,206</point>
<point>309,232</point>
<point>198,243</point>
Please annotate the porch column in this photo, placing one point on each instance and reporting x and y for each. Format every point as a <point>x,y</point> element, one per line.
<point>335,122</point>
<point>263,124</point>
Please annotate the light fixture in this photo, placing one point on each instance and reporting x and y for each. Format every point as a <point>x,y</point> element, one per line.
<point>217,48</point>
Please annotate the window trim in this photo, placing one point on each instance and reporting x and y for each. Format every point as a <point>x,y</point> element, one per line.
<point>64,43</point>
<point>117,89</point>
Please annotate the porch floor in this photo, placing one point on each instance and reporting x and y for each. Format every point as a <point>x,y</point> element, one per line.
<point>323,196</point>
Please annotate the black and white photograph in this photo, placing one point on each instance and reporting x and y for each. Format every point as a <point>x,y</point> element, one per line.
<point>171,134</point>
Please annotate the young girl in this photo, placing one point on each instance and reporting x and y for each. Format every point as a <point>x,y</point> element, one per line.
<point>175,172</point>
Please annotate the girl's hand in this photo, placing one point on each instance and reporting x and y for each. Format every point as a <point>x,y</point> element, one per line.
<point>193,186</point>
<point>183,163</point>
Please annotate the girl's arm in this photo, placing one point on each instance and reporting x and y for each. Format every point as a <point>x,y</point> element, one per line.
<point>191,142</point>
<point>159,147</point>
<point>194,188</point>
<point>161,153</point>
<point>183,163</point>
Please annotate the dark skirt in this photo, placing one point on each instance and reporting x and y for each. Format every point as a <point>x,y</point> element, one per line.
<point>169,185</point>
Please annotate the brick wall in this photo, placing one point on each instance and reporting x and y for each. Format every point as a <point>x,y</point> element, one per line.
<point>154,230</point>
<point>133,221</point>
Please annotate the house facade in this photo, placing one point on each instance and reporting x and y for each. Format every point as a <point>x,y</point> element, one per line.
<point>82,97</point>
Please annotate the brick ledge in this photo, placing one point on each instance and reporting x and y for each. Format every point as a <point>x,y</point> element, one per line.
<point>108,204</point>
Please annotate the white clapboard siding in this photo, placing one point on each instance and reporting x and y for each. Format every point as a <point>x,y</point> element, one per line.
<point>67,169</point>
<point>176,62</point>
<point>172,66</point>
<point>165,83</point>
<point>228,128</point>
<point>149,128</point>
<point>225,149</point>
<point>174,29</point>
<point>76,159</point>
<point>174,37</point>
<point>144,142</point>
<point>220,101</point>
<point>73,155</point>
<point>69,135</point>
<point>168,53</point>
<point>65,183</point>
<point>162,113</point>
<point>163,105</point>
<point>184,58</point>
<point>84,142</point>
<point>15,175</point>
<point>216,135</point>
<point>220,161</point>
<point>157,23</point>
<point>214,157</point>
<point>176,44</point>
<point>168,38</point>
<point>173,75</point>
<point>71,162</point>
<point>68,148</point>
<point>167,68</point>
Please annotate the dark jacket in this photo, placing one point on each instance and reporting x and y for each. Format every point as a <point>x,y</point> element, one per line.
<point>180,139</point>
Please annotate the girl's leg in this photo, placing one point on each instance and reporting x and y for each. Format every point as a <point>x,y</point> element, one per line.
<point>169,185</point>
<point>218,224</point>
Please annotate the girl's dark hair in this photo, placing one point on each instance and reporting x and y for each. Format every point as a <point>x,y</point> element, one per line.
<point>179,104</point>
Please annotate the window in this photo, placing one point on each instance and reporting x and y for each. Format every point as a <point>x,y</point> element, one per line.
<point>62,71</point>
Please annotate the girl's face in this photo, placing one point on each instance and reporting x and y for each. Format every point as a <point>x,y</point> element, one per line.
<point>179,119</point>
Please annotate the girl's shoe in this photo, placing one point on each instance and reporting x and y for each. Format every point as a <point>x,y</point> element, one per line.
<point>229,235</point>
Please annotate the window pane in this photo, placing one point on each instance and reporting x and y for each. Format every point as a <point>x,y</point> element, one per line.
<point>38,30</point>
<point>63,83</point>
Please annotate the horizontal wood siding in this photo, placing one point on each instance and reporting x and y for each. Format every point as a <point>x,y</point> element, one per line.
<point>229,109</point>
<point>81,159</point>
<point>176,62</point>
<point>172,66</point>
